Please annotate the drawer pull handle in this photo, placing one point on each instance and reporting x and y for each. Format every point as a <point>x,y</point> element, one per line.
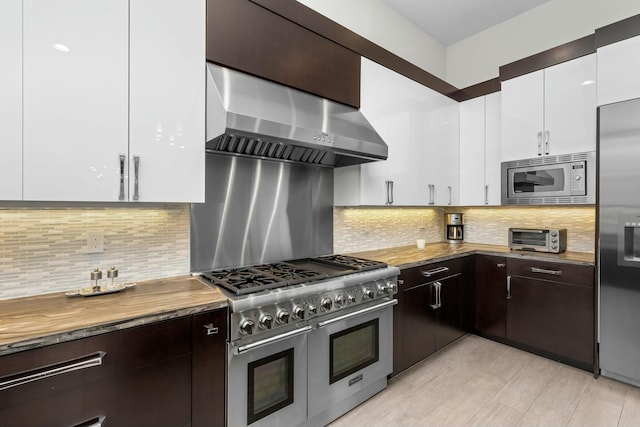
<point>543,271</point>
<point>501,265</point>
<point>435,271</point>
<point>93,422</point>
<point>211,330</point>
<point>89,361</point>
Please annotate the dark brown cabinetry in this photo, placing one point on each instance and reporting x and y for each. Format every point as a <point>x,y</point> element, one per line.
<point>248,37</point>
<point>429,314</point>
<point>490,295</point>
<point>550,307</point>
<point>139,376</point>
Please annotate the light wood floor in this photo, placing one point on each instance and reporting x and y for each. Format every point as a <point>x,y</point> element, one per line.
<point>477,382</point>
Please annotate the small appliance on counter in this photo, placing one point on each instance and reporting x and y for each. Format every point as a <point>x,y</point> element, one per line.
<point>538,239</point>
<point>454,229</point>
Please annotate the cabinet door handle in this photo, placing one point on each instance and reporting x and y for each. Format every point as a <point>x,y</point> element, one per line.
<point>449,188</point>
<point>539,143</point>
<point>508,287</point>
<point>546,142</point>
<point>434,296</point>
<point>123,159</point>
<point>439,294</point>
<point>93,422</point>
<point>37,374</point>
<point>432,194</point>
<point>136,169</point>
<point>486,194</point>
<point>543,271</point>
<point>389,185</point>
<point>501,265</point>
<point>430,273</point>
<point>211,330</point>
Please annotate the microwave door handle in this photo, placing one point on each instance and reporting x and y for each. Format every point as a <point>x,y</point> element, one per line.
<point>517,230</point>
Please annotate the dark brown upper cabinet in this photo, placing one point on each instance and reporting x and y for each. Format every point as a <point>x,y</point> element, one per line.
<point>249,38</point>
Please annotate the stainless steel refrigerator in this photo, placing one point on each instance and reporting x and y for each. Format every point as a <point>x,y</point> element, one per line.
<point>619,240</point>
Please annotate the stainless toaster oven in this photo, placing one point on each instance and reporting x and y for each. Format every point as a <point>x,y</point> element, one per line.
<point>538,239</point>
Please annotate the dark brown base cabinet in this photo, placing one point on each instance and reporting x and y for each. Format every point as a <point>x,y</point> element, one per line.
<point>491,296</point>
<point>551,307</point>
<point>429,314</point>
<point>144,378</point>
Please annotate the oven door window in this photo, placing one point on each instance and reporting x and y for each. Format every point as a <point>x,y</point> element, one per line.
<point>270,385</point>
<point>528,238</point>
<point>539,181</point>
<point>353,349</point>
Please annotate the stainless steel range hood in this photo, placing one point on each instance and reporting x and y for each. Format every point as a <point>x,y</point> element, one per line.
<point>254,117</point>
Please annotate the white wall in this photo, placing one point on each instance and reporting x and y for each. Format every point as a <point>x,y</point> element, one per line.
<point>477,58</point>
<point>377,22</point>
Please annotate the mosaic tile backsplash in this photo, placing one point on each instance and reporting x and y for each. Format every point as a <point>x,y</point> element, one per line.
<point>361,229</point>
<point>45,250</point>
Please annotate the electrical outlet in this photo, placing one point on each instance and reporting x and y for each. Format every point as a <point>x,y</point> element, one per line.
<point>95,242</point>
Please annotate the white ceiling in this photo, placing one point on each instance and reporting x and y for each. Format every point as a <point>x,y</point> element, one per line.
<point>450,21</point>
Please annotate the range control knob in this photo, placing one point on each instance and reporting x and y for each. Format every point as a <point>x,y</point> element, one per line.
<point>368,293</point>
<point>282,317</point>
<point>390,288</point>
<point>340,300</point>
<point>246,326</point>
<point>265,322</point>
<point>297,312</point>
<point>325,304</point>
<point>351,299</point>
<point>313,309</point>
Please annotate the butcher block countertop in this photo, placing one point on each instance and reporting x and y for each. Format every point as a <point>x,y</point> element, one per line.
<point>37,321</point>
<point>411,256</point>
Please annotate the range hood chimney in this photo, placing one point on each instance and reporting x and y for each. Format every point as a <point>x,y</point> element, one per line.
<point>253,117</point>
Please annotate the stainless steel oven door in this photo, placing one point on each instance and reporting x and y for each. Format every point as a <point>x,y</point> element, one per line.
<point>350,356</point>
<point>267,381</point>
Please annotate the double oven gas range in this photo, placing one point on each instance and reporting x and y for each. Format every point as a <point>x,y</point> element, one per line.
<point>309,339</point>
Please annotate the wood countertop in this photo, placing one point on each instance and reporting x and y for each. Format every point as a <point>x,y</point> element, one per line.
<point>37,321</point>
<point>411,256</point>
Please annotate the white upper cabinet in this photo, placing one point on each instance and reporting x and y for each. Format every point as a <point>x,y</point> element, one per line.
<point>114,98</point>
<point>618,71</point>
<point>11,100</point>
<point>75,98</point>
<point>480,154</point>
<point>551,111</point>
<point>167,100</point>
<point>420,128</point>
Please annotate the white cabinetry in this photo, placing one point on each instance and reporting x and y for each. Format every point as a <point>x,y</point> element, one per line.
<point>480,153</point>
<point>420,127</point>
<point>75,98</point>
<point>551,111</point>
<point>11,100</point>
<point>167,99</point>
<point>618,71</point>
<point>113,94</point>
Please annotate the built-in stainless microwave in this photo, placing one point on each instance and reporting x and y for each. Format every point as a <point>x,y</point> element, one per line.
<point>550,180</point>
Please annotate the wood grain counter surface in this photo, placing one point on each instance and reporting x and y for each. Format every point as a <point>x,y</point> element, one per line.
<point>411,256</point>
<point>37,321</point>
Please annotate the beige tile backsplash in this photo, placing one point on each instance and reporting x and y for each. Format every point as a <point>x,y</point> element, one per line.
<point>360,229</point>
<point>43,250</point>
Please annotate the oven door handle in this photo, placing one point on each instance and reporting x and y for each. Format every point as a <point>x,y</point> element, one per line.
<point>245,348</point>
<point>357,313</point>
